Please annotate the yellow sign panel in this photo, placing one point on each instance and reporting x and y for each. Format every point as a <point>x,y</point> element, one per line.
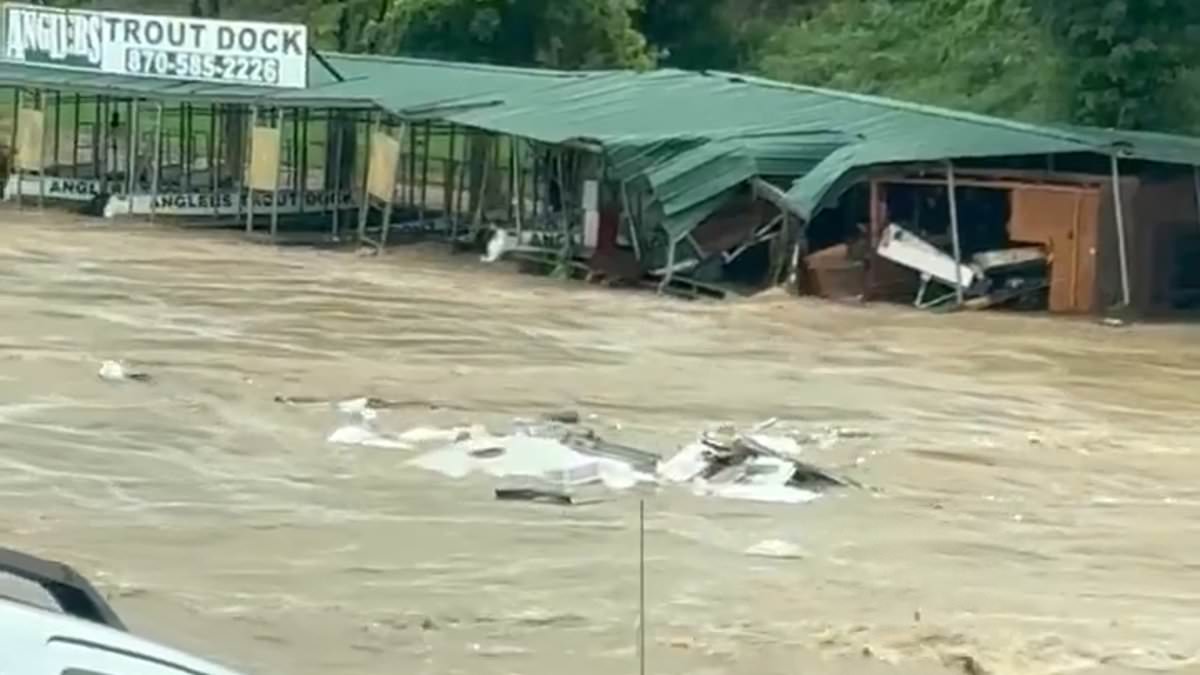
<point>264,159</point>
<point>385,155</point>
<point>31,127</point>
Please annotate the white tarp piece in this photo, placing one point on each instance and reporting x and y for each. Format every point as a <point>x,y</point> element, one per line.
<point>905,248</point>
<point>529,457</point>
<point>182,48</point>
<point>359,428</point>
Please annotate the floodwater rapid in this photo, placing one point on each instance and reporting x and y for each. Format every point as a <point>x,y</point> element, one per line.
<point>1036,501</point>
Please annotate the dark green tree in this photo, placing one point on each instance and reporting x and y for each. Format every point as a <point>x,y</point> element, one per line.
<point>983,55</point>
<point>1125,57</point>
<point>554,33</point>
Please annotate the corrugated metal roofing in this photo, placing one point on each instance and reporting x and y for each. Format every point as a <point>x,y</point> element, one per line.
<point>737,126</point>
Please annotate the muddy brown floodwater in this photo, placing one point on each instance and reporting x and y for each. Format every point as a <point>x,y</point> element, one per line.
<point>1039,487</point>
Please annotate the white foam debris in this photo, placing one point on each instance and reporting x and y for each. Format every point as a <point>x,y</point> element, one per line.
<point>741,469</point>
<point>686,465</point>
<point>426,435</point>
<point>112,370</point>
<point>115,371</point>
<point>356,406</point>
<point>365,435</point>
<point>500,243</point>
<point>527,456</point>
<point>775,548</point>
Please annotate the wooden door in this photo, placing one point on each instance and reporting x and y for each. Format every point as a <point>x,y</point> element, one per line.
<point>1064,221</point>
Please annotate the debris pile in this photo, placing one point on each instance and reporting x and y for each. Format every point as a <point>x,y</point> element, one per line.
<point>752,466</point>
<point>557,460</point>
<point>115,371</point>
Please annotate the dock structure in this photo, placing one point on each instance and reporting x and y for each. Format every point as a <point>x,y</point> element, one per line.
<point>704,183</point>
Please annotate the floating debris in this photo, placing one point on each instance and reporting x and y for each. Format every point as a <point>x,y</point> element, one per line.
<point>775,548</point>
<point>426,435</point>
<point>529,457</point>
<point>366,435</point>
<point>754,467</point>
<point>556,459</point>
<point>114,371</point>
<point>534,495</point>
<point>562,416</point>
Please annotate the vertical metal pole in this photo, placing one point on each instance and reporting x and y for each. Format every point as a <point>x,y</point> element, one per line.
<point>951,191</point>
<point>40,102</point>
<point>460,176</point>
<point>365,206</point>
<point>278,179</point>
<point>1119,205</point>
<point>1196,190</point>
<point>563,211</point>
<point>409,166</point>
<point>17,161</point>
<point>666,280</point>
<point>97,142</point>
<point>512,177</point>
<point>426,137</point>
<point>238,169</point>
<point>130,134</point>
<point>642,587</point>
<point>518,168</point>
<point>188,145</point>
<point>484,176</point>
<point>134,114</point>
<point>75,142</point>
<point>294,155</point>
<point>57,133</point>
<point>155,176</point>
<point>798,249</point>
<point>337,130</point>
<point>533,180</point>
<point>450,177</point>
<point>302,181</point>
<point>249,188</point>
<point>213,161</point>
<point>387,207</point>
<point>104,138</point>
<point>632,218</point>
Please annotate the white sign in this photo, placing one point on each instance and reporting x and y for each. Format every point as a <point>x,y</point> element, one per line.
<point>224,203</point>
<point>68,189</point>
<point>182,48</point>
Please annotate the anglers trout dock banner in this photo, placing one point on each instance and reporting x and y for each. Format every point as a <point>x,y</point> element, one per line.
<point>243,52</point>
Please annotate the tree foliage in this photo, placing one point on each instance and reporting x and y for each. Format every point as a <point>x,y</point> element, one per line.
<point>1125,57</point>
<point>554,33</point>
<point>983,55</point>
<point>1128,63</point>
